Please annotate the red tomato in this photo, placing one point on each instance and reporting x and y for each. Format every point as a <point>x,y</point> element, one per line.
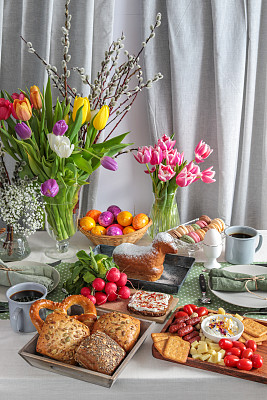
<point>235,351</point>
<point>247,353</point>
<point>231,360</point>
<point>251,344</point>
<point>194,307</point>
<point>257,360</point>
<point>225,344</point>
<point>188,309</point>
<point>244,364</point>
<point>179,314</point>
<point>202,311</point>
<point>240,345</point>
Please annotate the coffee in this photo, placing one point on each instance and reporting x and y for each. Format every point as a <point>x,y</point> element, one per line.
<point>26,296</point>
<point>240,235</point>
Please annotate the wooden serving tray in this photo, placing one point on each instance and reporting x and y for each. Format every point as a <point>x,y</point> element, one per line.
<point>121,306</point>
<point>256,375</point>
<point>28,352</point>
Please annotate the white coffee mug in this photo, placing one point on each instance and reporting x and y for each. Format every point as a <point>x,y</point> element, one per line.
<point>19,307</point>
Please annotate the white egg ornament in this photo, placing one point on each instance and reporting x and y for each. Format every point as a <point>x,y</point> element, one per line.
<point>212,246</point>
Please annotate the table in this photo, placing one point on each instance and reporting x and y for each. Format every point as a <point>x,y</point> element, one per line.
<point>144,377</point>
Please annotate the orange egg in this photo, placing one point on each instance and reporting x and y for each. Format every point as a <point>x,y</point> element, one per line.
<point>128,229</point>
<point>99,230</point>
<point>140,220</point>
<point>87,223</point>
<point>124,218</point>
<point>93,214</point>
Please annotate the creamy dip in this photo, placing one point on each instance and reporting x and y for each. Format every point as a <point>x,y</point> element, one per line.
<point>225,327</point>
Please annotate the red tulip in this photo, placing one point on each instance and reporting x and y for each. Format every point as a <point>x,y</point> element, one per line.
<point>5,109</point>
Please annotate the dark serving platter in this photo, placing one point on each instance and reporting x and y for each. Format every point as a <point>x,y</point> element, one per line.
<point>175,271</point>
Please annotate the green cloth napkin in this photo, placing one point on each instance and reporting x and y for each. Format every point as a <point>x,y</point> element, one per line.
<point>24,273</point>
<point>226,281</point>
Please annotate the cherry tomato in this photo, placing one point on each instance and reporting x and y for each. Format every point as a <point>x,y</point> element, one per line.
<point>202,311</point>
<point>179,314</point>
<point>225,344</point>
<point>251,344</point>
<point>247,353</point>
<point>240,345</point>
<point>257,360</point>
<point>188,309</point>
<point>194,307</point>
<point>235,351</point>
<point>231,360</point>
<point>244,364</point>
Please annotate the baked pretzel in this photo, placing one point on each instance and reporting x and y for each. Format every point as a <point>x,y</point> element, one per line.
<point>35,309</point>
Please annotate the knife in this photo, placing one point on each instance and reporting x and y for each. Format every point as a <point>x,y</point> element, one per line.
<point>250,311</point>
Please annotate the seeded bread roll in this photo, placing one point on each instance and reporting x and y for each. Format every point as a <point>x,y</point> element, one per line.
<point>60,336</point>
<point>123,328</point>
<point>100,353</point>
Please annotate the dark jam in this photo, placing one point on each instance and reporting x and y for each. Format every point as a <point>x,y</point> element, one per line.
<point>26,296</point>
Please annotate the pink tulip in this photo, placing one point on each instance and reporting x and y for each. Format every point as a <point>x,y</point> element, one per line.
<point>207,175</point>
<point>173,157</point>
<point>143,155</point>
<point>189,174</point>
<point>156,155</point>
<point>150,171</point>
<point>165,143</point>
<point>19,96</point>
<point>193,169</point>
<point>202,151</point>
<point>165,172</point>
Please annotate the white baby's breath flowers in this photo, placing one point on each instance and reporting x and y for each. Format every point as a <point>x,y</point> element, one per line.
<point>21,207</point>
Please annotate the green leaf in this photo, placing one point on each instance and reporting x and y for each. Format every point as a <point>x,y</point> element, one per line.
<point>57,113</point>
<point>83,256</point>
<point>49,106</point>
<point>81,163</point>
<point>110,143</point>
<point>76,271</point>
<point>89,277</point>
<point>75,126</point>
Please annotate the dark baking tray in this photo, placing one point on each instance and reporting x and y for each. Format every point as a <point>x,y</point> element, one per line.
<point>175,271</point>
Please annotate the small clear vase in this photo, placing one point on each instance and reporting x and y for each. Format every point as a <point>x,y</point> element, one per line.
<point>164,214</point>
<point>13,246</point>
<point>61,222</point>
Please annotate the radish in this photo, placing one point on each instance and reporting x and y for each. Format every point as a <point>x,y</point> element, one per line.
<point>112,297</point>
<point>113,275</point>
<point>101,298</point>
<point>123,280</point>
<point>110,288</point>
<point>92,298</point>
<point>98,284</point>
<point>86,291</point>
<point>124,292</point>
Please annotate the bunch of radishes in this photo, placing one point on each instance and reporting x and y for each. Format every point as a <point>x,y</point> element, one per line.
<point>109,289</point>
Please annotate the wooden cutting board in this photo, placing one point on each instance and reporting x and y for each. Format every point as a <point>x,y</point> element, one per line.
<point>256,375</point>
<point>121,306</point>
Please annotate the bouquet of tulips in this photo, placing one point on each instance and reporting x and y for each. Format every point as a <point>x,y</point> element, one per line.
<point>168,171</point>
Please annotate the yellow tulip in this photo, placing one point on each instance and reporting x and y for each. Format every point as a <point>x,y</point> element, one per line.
<point>78,103</point>
<point>23,109</point>
<point>35,97</point>
<point>101,118</point>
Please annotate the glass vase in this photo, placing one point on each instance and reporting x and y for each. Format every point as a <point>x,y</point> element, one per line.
<point>61,221</point>
<point>164,214</point>
<point>13,246</point>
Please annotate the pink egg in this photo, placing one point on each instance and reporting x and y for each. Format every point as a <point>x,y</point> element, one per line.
<point>116,225</point>
<point>114,230</point>
<point>106,218</point>
<point>115,210</point>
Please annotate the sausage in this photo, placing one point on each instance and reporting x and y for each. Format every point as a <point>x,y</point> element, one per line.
<point>193,321</point>
<point>191,335</point>
<point>182,319</point>
<point>193,339</point>
<point>185,330</point>
<point>175,327</point>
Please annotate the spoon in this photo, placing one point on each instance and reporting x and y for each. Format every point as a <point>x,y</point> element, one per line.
<point>204,299</point>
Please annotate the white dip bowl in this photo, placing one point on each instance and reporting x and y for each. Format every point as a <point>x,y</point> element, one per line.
<point>214,326</point>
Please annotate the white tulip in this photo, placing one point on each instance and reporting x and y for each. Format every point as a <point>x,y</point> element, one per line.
<point>60,145</point>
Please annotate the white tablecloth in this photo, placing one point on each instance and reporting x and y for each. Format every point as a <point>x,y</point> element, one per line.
<point>144,377</point>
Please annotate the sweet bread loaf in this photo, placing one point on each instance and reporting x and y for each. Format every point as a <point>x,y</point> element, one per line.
<point>144,262</point>
<point>123,328</point>
<point>100,353</point>
<point>60,336</point>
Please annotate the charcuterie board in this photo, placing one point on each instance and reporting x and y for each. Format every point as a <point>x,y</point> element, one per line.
<point>121,306</point>
<point>256,375</point>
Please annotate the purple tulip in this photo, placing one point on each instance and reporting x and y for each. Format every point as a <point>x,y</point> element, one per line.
<point>50,188</point>
<point>23,130</point>
<point>60,128</point>
<point>109,163</point>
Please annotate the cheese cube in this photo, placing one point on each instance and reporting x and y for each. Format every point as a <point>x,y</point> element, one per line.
<point>221,311</point>
<point>193,350</point>
<point>202,347</point>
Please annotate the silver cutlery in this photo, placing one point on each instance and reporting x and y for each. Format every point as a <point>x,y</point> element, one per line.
<point>204,299</point>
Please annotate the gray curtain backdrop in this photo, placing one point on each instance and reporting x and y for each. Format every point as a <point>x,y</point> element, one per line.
<point>213,56</point>
<point>40,22</point>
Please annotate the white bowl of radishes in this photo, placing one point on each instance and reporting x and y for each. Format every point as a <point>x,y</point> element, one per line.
<point>111,288</point>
